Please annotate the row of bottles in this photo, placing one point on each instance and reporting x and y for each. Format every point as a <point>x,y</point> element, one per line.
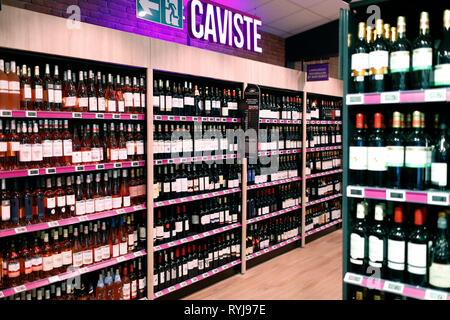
<point>49,143</point>
<point>192,140</point>
<point>268,200</point>
<point>324,108</point>
<point>55,198</point>
<point>317,162</point>
<point>20,90</point>
<point>181,180</point>
<point>179,264</point>
<point>272,231</point>
<point>285,107</point>
<point>208,100</point>
<point>319,188</point>
<point>384,59</point>
<point>409,155</point>
<point>322,213</point>
<point>399,250</point>
<point>323,136</point>
<point>279,168</point>
<point>51,252</point>
<point>284,137</point>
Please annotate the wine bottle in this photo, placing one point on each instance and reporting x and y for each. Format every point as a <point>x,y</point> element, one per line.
<point>400,60</point>
<point>440,256</point>
<point>358,153</point>
<point>422,60</point>
<point>396,253</point>
<point>395,153</point>
<point>442,68</point>
<point>358,240</point>
<point>440,173</point>
<point>376,154</point>
<point>378,243</point>
<point>360,61</point>
<point>379,60</point>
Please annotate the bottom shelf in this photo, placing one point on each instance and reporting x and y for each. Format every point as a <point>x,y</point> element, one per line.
<point>193,280</point>
<point>326,226</point>
<point>274,247</point>
<point>399,288</point>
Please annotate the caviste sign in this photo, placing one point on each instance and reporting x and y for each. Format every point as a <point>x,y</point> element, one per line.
<point>215,23</point>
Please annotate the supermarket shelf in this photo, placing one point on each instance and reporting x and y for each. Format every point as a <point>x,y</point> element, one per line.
<point>69,169</point>
<point>271,248</point>
<point>399,288</point>
<point>395,97</point>
<point>197,197</point>
<point>326,226</point>
<point>277,121</point>
<point>193,280</point>
<point>196,119</point>
<point>334,196</point>
<point>323,122</point>
<point>69,221</point>
<point>273,214</point>
<point>433,197</point>
<point>70,274</point>
<point>274,183</point>
<point>325,173</point>
<point>196,237</point>
<point>273,153</point>
<point>69,115</point>
<point>195,159</point>
<point>324,148</point>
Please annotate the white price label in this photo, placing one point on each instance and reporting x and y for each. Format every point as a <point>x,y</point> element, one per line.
<point>393,287</point>
<point>390,97</point>
<point>215,271</point>
<point>196,237</point>
<point>116,116</point>
<point>20,230</point>
<point>19,289</point>
<point>121,211</point>
<point>183,284</point>
<point>172,201</point>
<point>435,295</point>
<point>79,168</point>
<point>2,295</point>
<point>266,250</point>
<point>395,195</point>
<point>171,289</point>
<point>438,198</point>
<point>6,114</point>
<point>205,275</point>
<point>258,253</point>
<point>355,99</point>
<point>355,192</point>
<point>157,248</point>
<point>170,118</point>
<point>135,164</point>
<point>99,116</point>
<point>195,279</point>
<point>118,165</point>
<point>76,115</point>
<point>31,114</point>
<point>432,95</point>
<point>33,172</point>
<point>83,218</point>
<point>53,224</point>
<point>158,294</point>
<point>53,279</point>
<point>353,278</point>
<point>84,270</point>
<point>225,267</point>
<point>183,240</point>
<point>216,231</point>
<point>121,259</point>
<point>50,170</point>
<point>138,254</point>
<point>194,197</point>
<point>171,244</point>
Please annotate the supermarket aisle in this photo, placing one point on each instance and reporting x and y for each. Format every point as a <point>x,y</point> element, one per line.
<point>310,273</point>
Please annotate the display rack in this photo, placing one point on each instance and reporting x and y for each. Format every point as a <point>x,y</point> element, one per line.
<point>432,99</point>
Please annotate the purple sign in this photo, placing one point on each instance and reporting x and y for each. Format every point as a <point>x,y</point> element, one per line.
<point>216,23</point>
<point>317,72</point>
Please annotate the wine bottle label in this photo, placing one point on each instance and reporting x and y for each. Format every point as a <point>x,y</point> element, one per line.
<point>80,208</point>
<point>99,204</point>
<point>442,75</point>
<point>83,102</point>
<point>70,101</point>
<point>128,99</point>
<point>4,86</point>
<point>130,148</point>
<point>396,254</point>
<point>156,100</point>
<point>137,99</point>
<point>27,92</point>
<point>120,106</point>
<point>395,156</point>
<point>400,61</point>
<point>358,158</point>
<point>67,258</point>
<point>123,248</point>
<point>168,103</point>
<point>101,104</point>
<point>57,260</point>
<point>25,153</point>
<point>195,219</point>
<point>76,157</point>
<point>92,104</point>
<point>376,249</point>
<point>439,174</point>
<point>440,275</point>
<point>3,146</point>
<point>379,62</point>
<point>186,225</point>
<point>134,289</point>
<point>417,258</point>
<point>123,154</point>
<point>126,201</point>
<point>422,59</point>
<point>142,283</point>
<point>116,202</point>
<point>36,152</point>
<point>6,210</point>
<point>47,263</point>
<point>51,203</point>
<point>111,105</point>
<point>95,155</point>
<point>143,100</point>
<point>416,157</point>
<point>106,252</point>
<point>13,269</point>
<point>90,206</point>
<point>376,159</point>
<point>57,148</point>
<point>61,201</point>
<point>126,291</point>
<point>37,263</point>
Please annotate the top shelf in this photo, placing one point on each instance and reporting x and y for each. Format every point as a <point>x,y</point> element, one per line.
<point>195,119</point>
<point>397,97</point>
<point>69,115</point>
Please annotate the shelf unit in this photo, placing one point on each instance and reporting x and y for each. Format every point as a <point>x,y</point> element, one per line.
<point>385,102</point>
<point>152,55</point>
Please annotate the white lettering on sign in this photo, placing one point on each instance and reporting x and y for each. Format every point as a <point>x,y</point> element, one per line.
<point>220,24</point>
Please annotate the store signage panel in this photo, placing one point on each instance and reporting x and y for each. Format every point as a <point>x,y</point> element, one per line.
<point>318,72</point>
<point>218,24</point>
<point>166,12</point>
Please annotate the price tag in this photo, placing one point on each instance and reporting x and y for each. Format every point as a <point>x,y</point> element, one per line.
<point>355,99</point>
<point>53,279</point>
<point>121,259</point>
<point>395,195</point>
<point>83,218</point>
<point>390,97</point>
<point>157,248</point>
<point>225,267</point>
<point>121,211</point>
<point>99,116</point>
<point>234,263</point>
<point>170,118</point>
<point>195,279</point>
<point>353,278</point>
<point>171,244</point>
<point>33,172</point>
<point>79,168</point>
<point>31,114</point>
<point>194,197</point>
<point>138,254</point>
<point>223,120</point>
<point>183,159</point>
<point>100,166</point>
<point>118,165</point>
<point>266,250</point>
<point>258,253</point>
<point>50,170</point>
<point>355,192</point>
<point>184,240</point>
<point>135,164</point>
<point>116,116</point>
<point>20,230</point>
<point>183,284</point>
<point>134,117</point>
<point>6,113</point>
<point>234,120</point>
<point>215,271</point>
<point>84,270</point>
<point>53,224</point>
<point>158,294</point>
<point>216,231</point>
<point>205,275</point>
<point>20,289</point>
<point>172,201</point>
<point>171,289</point>
<point>432,95</point>
<point>205,234</point>
<point>216,119</point>
<point>435,295</point>
<point>195,237</point>
<point>170,161</point>
<point>438,198</point>
<point>215,194</point>
<point>158,162</point>
<point>157,117</point>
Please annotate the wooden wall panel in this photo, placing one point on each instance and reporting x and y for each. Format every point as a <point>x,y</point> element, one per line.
<point>332,87</point>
